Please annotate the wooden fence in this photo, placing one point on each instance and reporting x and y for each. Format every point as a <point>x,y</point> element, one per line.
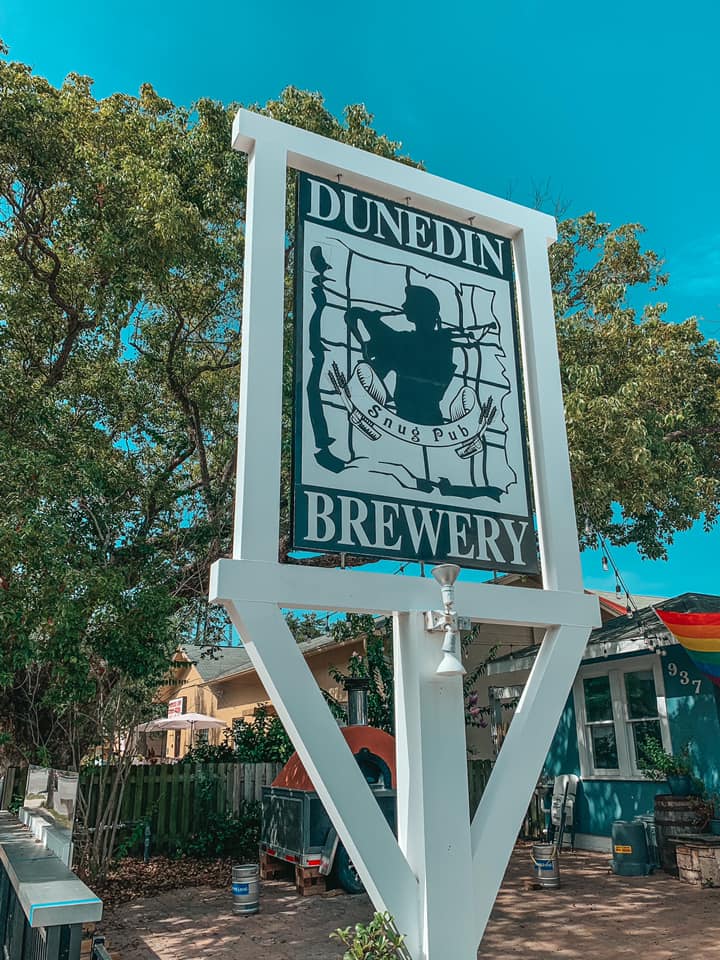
<point>176,798</point>
<point>478,775</point>
<point>533,826</point>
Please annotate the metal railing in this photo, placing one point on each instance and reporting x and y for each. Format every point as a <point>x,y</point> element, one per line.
<point>98,949</point>
<point>20,941</point>
<point>43,905</point>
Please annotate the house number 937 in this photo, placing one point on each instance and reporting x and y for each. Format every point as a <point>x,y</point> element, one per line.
<point>684,677</point>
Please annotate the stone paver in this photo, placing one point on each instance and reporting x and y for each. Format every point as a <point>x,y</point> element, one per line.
<point>198,922</point>
<point>594,916</point>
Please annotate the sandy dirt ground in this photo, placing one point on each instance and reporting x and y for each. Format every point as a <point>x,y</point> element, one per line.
<point>594,916</point>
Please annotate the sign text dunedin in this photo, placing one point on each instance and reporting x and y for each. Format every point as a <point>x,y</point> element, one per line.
<point>409,437</point>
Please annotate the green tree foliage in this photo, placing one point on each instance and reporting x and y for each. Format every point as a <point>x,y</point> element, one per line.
<point>375,665</point>
<point>308,625</point>
<point>642,396</point>
<point>121,240</point>
<point>261,739</point>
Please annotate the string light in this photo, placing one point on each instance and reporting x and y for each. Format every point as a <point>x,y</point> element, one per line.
<point>620,586</point>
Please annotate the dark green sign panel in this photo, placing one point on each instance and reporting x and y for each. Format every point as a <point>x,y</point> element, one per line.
<point>409,437</point>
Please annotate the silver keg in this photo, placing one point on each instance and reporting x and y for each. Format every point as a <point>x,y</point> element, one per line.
<point>246,888</point>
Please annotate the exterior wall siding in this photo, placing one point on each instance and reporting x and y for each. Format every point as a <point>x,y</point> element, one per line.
<point>238,696</point>
<point>693,717</point>
<point>693,705</point>
<point>506,640</point>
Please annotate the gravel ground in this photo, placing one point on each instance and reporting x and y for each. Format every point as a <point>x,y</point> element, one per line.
<point>594,916</point>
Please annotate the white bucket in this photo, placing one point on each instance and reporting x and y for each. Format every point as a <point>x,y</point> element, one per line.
<point>546,864</point>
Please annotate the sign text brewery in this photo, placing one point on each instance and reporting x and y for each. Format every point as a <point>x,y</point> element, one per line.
<point>409,437</point>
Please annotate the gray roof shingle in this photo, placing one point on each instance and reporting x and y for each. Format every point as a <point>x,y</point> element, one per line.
<point>226,661</point>
<point>211,665</point>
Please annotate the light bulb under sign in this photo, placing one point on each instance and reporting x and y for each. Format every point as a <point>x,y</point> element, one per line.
<point>450,666</point>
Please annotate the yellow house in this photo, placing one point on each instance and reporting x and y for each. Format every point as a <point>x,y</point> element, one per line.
<point>224,684</point>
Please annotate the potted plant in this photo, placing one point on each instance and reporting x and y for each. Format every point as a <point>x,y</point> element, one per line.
<point>675,768</point>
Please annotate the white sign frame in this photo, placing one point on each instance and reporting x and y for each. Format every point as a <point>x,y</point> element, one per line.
<point>441,877</point>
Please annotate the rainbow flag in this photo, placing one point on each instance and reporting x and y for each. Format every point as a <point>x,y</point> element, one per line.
<point>699,634</point>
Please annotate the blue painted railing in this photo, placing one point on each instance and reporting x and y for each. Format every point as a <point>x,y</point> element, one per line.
<point>43,905</point>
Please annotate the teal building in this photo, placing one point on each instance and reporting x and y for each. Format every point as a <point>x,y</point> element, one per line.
<point>635,681</point>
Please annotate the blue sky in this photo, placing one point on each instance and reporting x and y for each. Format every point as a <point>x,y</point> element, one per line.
<point>614,105</point>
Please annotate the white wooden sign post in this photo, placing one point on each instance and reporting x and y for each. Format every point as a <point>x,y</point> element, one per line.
<point>439,879</point>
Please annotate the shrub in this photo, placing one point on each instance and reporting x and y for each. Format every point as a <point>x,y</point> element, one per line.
<point>211,752</point>
<point>378,940</point>
<point>223,835</point>
<point>657,763</point>
<point>260,740</point>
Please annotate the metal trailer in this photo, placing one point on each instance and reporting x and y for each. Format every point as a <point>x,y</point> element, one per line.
<point>295,826</point>
<point>297,829</point>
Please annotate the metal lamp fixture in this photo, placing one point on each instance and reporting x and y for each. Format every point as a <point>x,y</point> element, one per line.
<point>446,574</point>
<point>450,666</point>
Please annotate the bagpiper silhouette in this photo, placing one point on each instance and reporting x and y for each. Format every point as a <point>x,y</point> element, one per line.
<point>422,359</point>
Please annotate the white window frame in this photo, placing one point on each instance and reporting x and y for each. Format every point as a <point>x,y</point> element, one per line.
<point>615,670</point>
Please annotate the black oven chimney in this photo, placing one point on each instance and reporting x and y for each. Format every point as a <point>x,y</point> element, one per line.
<point>357,703</point>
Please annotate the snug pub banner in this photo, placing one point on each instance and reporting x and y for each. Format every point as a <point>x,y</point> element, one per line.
<point>409,425</point>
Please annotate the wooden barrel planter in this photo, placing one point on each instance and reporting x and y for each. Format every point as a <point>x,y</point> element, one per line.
<point>676,817</point>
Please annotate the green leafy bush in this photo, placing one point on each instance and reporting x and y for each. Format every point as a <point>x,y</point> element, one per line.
<point>212,752</point>
<point>133,840</point>
<point>377,940</point>
<point>260,740</point>
<point>223,835</point>
<point>658,764</point>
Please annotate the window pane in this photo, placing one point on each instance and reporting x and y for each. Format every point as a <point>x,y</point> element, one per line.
<point>604,747</point>
<point>640,692</point>
<point>641,732</point>
<point>598,702</point>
